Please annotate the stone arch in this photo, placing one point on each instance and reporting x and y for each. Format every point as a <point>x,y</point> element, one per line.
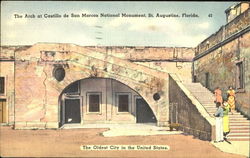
<point>83,79</point>
<point>78,63</point>
<point>144,81</point>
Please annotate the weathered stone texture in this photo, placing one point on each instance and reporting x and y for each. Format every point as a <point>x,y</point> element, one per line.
<point>37,91</point>
<point>222,69</point>
<point>183,69</point>
<point>191,120</point>
<point>238,24</point>
<point>149,53</point>
<point>7,71</point>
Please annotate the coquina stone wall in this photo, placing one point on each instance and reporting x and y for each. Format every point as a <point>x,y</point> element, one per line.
<point>219,60</point>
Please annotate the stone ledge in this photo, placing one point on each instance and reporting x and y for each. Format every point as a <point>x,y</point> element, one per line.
<point>20,125</point>
<point>162,124</point>
<point>35,125</point>
<point>52,125</point>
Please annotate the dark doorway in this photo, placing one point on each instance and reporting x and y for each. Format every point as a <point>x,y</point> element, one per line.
<point>195,79</point>
<point>207,80</point>
<point>240,76</point>
<point>72,111</point>
<point>144,114</point>
<point>3,111</point>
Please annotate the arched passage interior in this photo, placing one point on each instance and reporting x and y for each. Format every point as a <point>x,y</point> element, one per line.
<point>102,100</point>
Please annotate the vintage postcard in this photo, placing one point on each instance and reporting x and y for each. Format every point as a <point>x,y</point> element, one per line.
<point>125,79</point>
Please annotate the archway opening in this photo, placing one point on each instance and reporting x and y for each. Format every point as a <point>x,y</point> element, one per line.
<point>103,100</point>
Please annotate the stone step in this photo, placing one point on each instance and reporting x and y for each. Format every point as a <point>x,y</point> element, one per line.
<point>193,86</point>
<point>210,107</point>
<point>197,95</point>
<point>239,131</point>
<point>239,124</point>
<point>203,95</point>
<point>212,104</point>
<point>238,139</point>
<point>231,135</point>
<point>234,113</point>
<point>199,91</point>
<point>206,101</point>
<point>196,87</point>
<point>203,92</point>
<point>192,83</point>
<point>239,128</point>
<point>239,134</point>
<point>234,118</point>
<point>243,121</point>
<point>237,118</point>
<point>211,111</point>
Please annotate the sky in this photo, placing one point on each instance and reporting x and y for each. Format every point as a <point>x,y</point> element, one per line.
<point>178,31</point>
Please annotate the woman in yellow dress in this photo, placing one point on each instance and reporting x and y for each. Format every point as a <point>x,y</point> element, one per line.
<point>231,99</point>
<point>226,108</point>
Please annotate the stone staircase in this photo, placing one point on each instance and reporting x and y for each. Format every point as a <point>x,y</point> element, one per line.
<point>239,125</point>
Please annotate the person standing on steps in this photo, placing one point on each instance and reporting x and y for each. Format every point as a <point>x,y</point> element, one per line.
<point>219,123</point>
<point>226,128</point>
<point>231,99</point>
<point>218,95</point>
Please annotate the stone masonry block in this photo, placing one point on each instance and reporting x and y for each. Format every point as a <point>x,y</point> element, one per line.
<point>52,125</point>
<point>36,125</point>
<point>20,125</point>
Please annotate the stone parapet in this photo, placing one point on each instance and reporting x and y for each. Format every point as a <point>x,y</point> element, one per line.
<point>237,25</point>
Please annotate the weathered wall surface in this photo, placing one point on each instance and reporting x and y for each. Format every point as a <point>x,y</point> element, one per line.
<point>240,23</point>
<point>168,59</point>
<point>191,116</point>
<point>109,109</point>
<point>236,10</point>
<point>221,62</point>
<point>37,91</point>
<point>138,54</point>
<point>183,69</point>
<point>7,71</point>
<point>35,65</point>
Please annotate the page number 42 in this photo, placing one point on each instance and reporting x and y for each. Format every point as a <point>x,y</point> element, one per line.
<point>210,15</point>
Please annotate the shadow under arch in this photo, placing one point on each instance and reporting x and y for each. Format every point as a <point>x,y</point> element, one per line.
<point>77,91</point>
